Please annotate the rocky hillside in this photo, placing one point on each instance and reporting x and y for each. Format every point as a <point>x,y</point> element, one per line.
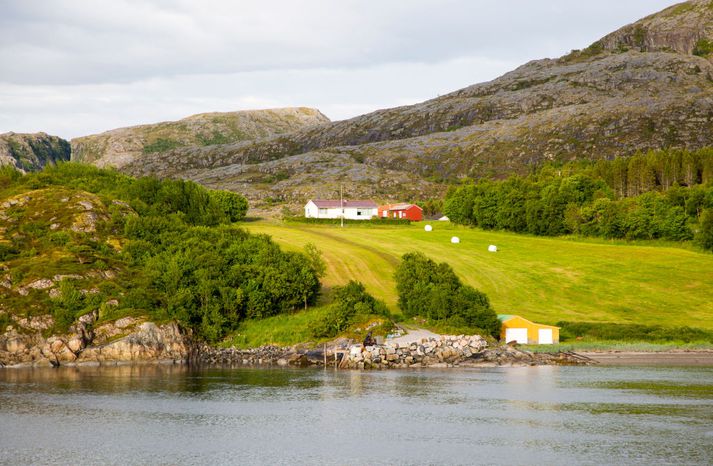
<point>685,28</point>
<point>30,152</point>
<point>648,85</point>
<point>124,145</point>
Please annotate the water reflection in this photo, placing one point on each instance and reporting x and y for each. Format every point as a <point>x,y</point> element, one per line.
<point>176,414</point>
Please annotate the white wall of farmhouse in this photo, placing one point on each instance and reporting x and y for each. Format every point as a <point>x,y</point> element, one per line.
<point>351,213</point>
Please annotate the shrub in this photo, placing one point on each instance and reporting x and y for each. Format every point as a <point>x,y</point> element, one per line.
<point>350,300</point>
<point>703,48</point>
<point>704,237</point>
<point>233,205</point>
<point>435,292</point>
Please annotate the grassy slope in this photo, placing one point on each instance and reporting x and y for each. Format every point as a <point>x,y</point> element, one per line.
<point>545,279</point>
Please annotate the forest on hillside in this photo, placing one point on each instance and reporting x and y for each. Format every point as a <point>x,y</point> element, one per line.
<point>663,194</point>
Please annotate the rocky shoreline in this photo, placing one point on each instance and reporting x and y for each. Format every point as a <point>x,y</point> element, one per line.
<point>446,351</point>
<point>135,341</point>
<point>128,340</point>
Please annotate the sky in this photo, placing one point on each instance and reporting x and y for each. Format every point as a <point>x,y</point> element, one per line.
<point>74,67</point>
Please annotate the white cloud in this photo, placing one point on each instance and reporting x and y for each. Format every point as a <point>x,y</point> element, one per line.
<point>73,67</point>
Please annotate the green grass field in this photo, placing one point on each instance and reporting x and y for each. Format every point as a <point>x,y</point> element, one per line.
<point>543,279</point>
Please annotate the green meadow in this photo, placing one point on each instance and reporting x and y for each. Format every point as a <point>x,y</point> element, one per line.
<point>542,279</point>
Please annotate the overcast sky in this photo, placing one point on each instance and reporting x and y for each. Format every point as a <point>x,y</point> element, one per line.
<point>72,68</point>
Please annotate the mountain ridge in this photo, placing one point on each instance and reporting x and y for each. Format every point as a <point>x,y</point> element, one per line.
<point>122,146</point>
<point>607,100</point>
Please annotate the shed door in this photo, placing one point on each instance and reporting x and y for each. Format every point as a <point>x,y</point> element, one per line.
<point>544,336</point>
<point>516,334</point>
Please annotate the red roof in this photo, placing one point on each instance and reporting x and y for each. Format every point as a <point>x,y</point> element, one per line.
<point>329,204</point>
<point>400,206</point>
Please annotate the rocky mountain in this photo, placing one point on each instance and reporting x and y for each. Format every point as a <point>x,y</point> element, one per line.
<point>647,85</point>
<point>122,146</point>
<point>29,152</point>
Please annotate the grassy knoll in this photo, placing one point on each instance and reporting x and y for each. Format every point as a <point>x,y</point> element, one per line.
<point>544,279</point>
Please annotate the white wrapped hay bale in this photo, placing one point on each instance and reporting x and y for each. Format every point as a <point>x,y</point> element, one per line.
<point>428,228</point>
<point>455,240</point>
<point>492,248</point>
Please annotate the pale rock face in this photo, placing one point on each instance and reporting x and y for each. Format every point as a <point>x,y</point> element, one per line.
<point>120,147</point>
<point>142,342</point>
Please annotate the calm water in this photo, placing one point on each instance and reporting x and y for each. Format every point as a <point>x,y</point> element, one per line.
<point>538,415</point>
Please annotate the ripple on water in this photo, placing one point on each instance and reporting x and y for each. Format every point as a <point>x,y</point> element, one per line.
<point>169,415</point>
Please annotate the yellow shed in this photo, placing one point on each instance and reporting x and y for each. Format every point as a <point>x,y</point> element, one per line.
<point>521,330</point>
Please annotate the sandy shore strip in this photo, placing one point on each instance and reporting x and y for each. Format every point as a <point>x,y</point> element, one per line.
<point>664,358</point>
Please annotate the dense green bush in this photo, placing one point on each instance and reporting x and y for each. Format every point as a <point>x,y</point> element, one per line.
<point>349,301</point>
<point>232,204</point>
<point>703,48</point>
<point>434,291</point>
<point>704,237</point>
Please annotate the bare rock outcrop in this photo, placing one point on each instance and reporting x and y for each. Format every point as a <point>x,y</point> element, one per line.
<point>122,146</point>
<point>679,28</point>
<point>87,342</point>
<point>31,152</point>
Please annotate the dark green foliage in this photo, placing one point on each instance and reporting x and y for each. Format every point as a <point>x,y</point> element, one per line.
<point>434,291</point>
<point>8,176</point>
<point>350,300</point>
<point>161,145</point>
<point>703,48</point>
<point>704,237</point>
<point>658,195</point>
<point>8,251</point>
<point>639,37</point>
<point>71,304</point>
<point>215,138</point>
<point>632,332</point>
<point>5,320</point>
<point>233,205</point>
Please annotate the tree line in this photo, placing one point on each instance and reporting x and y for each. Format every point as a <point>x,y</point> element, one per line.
<point>665,194</point>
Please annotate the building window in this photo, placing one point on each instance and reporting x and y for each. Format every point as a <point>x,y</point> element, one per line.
<point>322,212</point>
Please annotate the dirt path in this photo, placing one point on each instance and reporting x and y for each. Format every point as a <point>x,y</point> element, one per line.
<point>413,335</point>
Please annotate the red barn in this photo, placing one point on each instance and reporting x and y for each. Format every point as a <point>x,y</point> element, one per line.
<point>401,211</point>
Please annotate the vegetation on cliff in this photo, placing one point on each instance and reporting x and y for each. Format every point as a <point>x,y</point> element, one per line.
<point>75,239</point>
<point>30,152</point>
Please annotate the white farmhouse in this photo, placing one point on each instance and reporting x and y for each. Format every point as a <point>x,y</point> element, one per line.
<point>351,210</point>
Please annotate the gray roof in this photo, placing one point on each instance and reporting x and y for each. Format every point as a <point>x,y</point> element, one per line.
<point>334,204</point>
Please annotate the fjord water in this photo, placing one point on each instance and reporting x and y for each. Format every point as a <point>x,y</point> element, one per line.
<point>180,415</point>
